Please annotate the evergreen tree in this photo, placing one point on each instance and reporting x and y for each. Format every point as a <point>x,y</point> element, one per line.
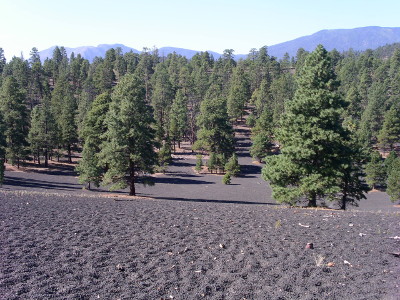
<point>227,178</point>
<point>216,132</point>
<point>164,156</point>
<point>375,169</point>
<point>262,136</point>
<point>393,181</point>
<point>2,148</point>
<point>178,118</point>
<point>2,61</point>
<point>64,106</point>
<point>69,133</point>
<point>13,107</point>
<point>199,162</point>
<point>36,86</point>
<point>311,137</point>
<point>34,137</point>
<point>232,166</point>
<point>89,168</point>
<point>129,146</point>
<point>352,184</point>
<point>43,132</point>
<point>282,90</point>
<point>212,162</point>
<point>389,161</point>
<point>390,132</point>
<point>372,117</point>
<point>239,94</point>
<point>261,146</point>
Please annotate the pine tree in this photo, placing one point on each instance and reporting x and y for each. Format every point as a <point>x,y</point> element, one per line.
<point>232,166</point>
<point>375,170</point>
<point>216,132</point>
<point>34,137</point>
<point>164,156</point>
<point>227,178</point>
<point>352,183</point>
<point>199,162</point>
<point>311,137</point>
<point>128,149</point>
<point>390,132</point>
<point>262,135</point>
<point>13,107</point>
<point>69,133</point>
<point>212,162</point>
<point>94,127</point>
<point>161,100</point>
<point>372,117</point>
<point>239,94</point>
<point>2,147</point>
<point>393,181</point>
<point>389,161</point>
<point>178,118</point>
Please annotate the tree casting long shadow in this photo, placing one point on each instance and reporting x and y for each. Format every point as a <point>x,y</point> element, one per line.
<point>214,201</point>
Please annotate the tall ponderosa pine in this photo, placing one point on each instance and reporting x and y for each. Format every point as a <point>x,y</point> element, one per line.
<point>64,107</point>
<point>375,170</point>
<point>128,149</point>
<point>390,132</point>
<point>2,148</point>
<point>178,118</point>
<point>13,106</point>
<point>352,184</point>
<point>311,137</point>
<point>239,94</point>
<point>216,132</point>
<point>393,181</point>
<point>161,100</point>
<point>43,133</point>
<point>94,127</point>
<point>262,135</point>
<point>34,136</point>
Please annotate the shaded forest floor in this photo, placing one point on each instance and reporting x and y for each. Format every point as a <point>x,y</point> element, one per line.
<point>180,182</point>
<point>189,237</point>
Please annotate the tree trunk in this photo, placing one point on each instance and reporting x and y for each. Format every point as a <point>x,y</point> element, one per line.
<point>344,197</point>
<point>132,191</point>
<point>312,201</point>
<point>46,158</point>
<point>343,205</point>
<point>38,158</point>
<point>69,154</point>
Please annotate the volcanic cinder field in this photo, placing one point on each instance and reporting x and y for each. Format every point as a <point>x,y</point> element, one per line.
<point>190,237</point>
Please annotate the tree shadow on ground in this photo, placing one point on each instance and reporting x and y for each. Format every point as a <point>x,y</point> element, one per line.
<point>32,183</point>
<point>181,164</point>
<point>246,170</point>
<point>213,201</point>
<point>177,180</point>
<point>62,170</point>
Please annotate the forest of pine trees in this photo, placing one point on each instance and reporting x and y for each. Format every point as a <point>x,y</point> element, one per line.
<point>328,112</point>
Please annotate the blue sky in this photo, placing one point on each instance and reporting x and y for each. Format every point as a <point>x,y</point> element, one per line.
<point>199,25</point>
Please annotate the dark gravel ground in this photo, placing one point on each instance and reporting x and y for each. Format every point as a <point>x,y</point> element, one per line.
<point>74,247</point>
<point>192,238</point>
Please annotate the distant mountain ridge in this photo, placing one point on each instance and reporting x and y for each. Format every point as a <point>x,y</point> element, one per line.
<point>358,39</point>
